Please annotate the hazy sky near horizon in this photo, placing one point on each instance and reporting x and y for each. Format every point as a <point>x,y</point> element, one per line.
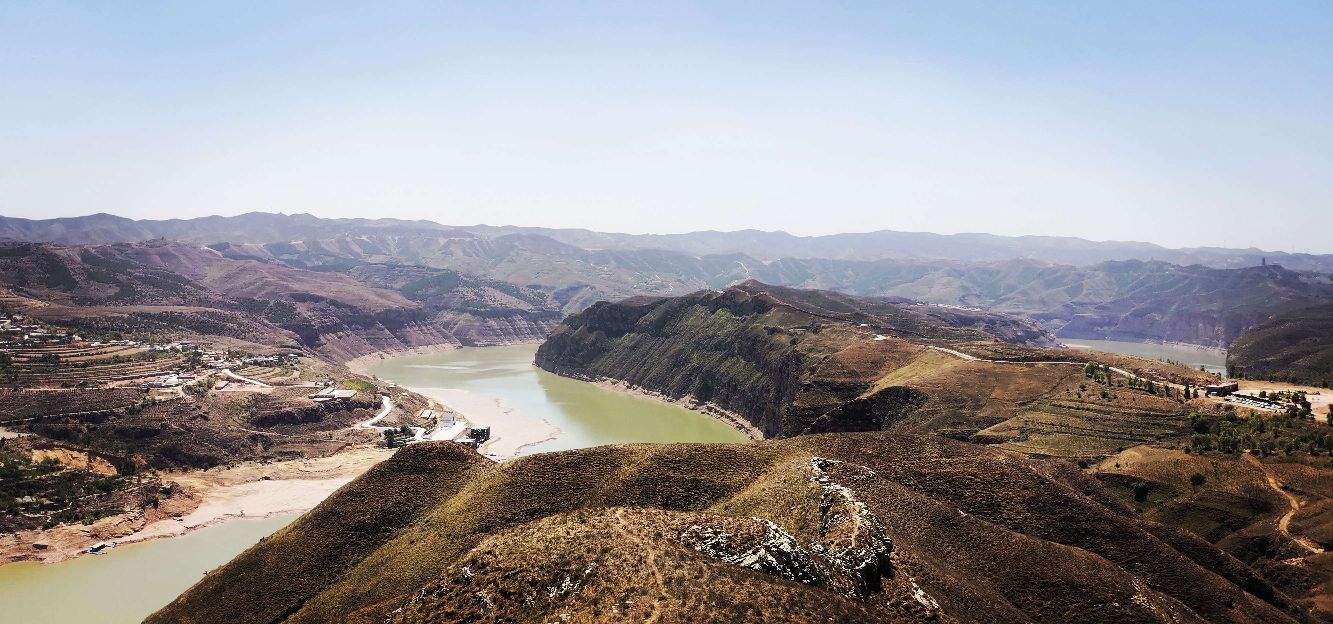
<point>1181,123</point>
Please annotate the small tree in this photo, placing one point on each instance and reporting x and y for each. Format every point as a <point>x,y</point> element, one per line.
<point>1197,480</point>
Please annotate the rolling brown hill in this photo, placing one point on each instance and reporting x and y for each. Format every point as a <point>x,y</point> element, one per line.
<point>842,527</point>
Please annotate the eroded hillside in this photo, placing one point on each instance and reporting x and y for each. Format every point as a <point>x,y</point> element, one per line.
<point>176,288</point>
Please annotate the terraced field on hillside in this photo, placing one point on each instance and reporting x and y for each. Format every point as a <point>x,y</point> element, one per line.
<point>1081,429</point>
<point>267,374</point>
<point>64,365</point>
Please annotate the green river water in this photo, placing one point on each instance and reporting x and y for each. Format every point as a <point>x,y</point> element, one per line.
<point>126,583</point>
<point>129,582</point>
<point>587,414</point>
<point>1212,360</point>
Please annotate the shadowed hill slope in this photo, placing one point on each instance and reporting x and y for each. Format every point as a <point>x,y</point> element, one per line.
<point>1295,346</point>
<point>838,527</point>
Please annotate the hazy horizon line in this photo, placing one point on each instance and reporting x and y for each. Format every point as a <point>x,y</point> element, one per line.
<point>1221,246</point>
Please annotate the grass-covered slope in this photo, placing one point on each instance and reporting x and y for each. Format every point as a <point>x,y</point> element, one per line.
<point>276,578</point>
<point>838,527</point>
<point>714,348</point>
<point>793,362</point>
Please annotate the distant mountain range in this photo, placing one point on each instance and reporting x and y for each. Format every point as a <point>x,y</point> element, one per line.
<point>179,289</point>
<point>259,227</point>
<point>1074,288</point>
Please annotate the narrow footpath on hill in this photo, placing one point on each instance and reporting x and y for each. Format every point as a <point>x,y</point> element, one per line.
<point>1284,523</point>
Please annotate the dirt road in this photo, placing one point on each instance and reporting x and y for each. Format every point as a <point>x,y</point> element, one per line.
<point>1284,523</point>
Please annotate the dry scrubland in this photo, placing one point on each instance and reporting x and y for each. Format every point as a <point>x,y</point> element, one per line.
<point>869,526</point>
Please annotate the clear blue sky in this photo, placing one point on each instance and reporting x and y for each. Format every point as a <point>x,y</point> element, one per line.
<point>1179,123</point>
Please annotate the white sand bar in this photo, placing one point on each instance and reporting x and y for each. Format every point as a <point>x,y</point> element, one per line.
<point>511,430</point>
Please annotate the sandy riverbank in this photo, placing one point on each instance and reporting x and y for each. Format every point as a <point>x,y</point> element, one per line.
<point>511,430</point>
<point>207,497</point>
<point>736,421</point>
<point>1156,343</point>
<point>361,365</point>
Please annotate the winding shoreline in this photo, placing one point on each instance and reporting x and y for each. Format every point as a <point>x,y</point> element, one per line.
<point>712,410</point>
<point>263,490</point>
<point>360,365</point>
<point>250,490</point>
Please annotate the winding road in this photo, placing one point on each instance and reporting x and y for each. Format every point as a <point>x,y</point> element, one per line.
<point>1118,371</point>
<point>1284,523</point>
<point>386,406</point>
<point>227,372</point>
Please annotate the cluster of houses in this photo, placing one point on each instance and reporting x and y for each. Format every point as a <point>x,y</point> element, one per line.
<point>475,437</point>
<point>449,427</point>
<point>173,346</point>
<point>215,360</point>
<point>174,380</point>
<point>220,359</point>
<point>15,328</point>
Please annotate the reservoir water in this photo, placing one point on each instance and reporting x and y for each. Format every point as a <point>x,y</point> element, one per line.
<point>586,414</point>
<point>128,583</point>
<point>1212,360</point>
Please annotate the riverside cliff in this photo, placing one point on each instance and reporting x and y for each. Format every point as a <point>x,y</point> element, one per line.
<point>790,361</point>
